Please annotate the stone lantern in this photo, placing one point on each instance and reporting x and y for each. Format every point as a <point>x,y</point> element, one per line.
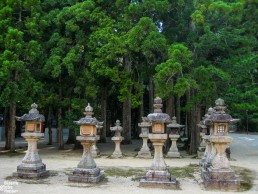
<point>145,150</point>
<point>87,170</point>
<point>219,175</point>
<point>174,135</point>
<point>32,166</point>
<point>117,139</point>
<point>203,132</point>
<point>158,175</point>
<point>210,151</point>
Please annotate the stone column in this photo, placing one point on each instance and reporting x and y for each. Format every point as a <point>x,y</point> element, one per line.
<point>94,149</point>
<point>31,166</point>
<point>202,146</point>
<point>158,175</point>
<point>173,151</point>
<point>117,153</point>
<point>87,170</point>
<point>145,150</point>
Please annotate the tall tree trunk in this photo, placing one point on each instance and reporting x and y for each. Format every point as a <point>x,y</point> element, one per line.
<point>59,117</point>
<point>7,127</point>
<point>49,125</point>
<point>104,98</point>
<point>127,120</point>
<point>188,117</point>
<point>71,133</point>
<point>127,117</point>
<point>178,116</point>
<point>170,106</point>
<point>60,129</point>
<point>151,95</point>
<point>12,130</point>
<point>195,131</point>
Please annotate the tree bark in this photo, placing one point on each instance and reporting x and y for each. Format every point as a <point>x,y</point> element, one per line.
<point>12,130</point>
<point>103,132</point>
<point>59,117</point>
<point>151,95</point>
<point>7,127</point>
<point>49,125</point>
<point>127,117</point>
<point>195,131</point>
<point>71,133</point>
<point>178,116</point>
<point>60,129</point>
<point>170,106</point>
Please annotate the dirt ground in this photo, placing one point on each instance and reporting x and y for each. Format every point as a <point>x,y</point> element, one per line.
<point>60,163</point>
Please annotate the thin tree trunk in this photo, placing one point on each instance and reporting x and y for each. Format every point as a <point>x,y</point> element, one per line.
<point>59,117</point>
<point>60,129</point>
<point>12,130</point>
<point>151,95</point>
<point>178,116</point>
<point>71,134</point>
<point>127,117</point>
<point>7,127</point>
<point>127,120</point>
<point>49,125</point>
<point>103,132</point>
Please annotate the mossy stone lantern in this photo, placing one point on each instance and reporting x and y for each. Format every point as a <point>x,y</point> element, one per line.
<point>219,175</point>
<point>32,166</point>
<point>87,170</point>
<point>158,175</point>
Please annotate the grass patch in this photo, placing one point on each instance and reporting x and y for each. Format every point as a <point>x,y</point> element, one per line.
<point>246,176</point>
<point>11,154</point>
<point>184,172</point>
<point>135,173</point>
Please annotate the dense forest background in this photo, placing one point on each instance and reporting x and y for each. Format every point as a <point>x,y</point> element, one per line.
<point>119,54</point>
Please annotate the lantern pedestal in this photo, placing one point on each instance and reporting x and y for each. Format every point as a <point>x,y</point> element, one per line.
<point>158,176</point>
<point>219,175</point>
<point>117,153</point>
<point>145,150</point>
<point>173,151</point>
<point>207,150</point>
<point>94,149</point>
<point>32,166</point>
<point>87,170</point>
<point>202,146</point>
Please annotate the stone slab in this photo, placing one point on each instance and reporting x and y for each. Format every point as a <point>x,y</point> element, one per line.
<point>79,178</point>
<point>31,171</point>
<point>159,184</point>
<point>225,181</point>
<point>227,185</point>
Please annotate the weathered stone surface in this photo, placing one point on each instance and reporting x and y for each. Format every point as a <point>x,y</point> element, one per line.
<point>31,166</point>
<point>145,150</point>
<point>220,179</point>
<point>173,151</point>
<point>94,149</point>
<point>86,175</point>
<point>117,153</point>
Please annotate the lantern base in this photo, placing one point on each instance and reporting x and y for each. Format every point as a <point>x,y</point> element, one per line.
<point>31,171</point>
<point>220,179</point>
<point>81,175</point>
<point>159,179</point>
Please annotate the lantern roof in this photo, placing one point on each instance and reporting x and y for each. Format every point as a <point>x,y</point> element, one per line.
<point>206,121</point>
<point>158,116</point>
<point>33,115</point>
<point>88,119</point>
<point>174,124</point>
<point>220,115</point>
